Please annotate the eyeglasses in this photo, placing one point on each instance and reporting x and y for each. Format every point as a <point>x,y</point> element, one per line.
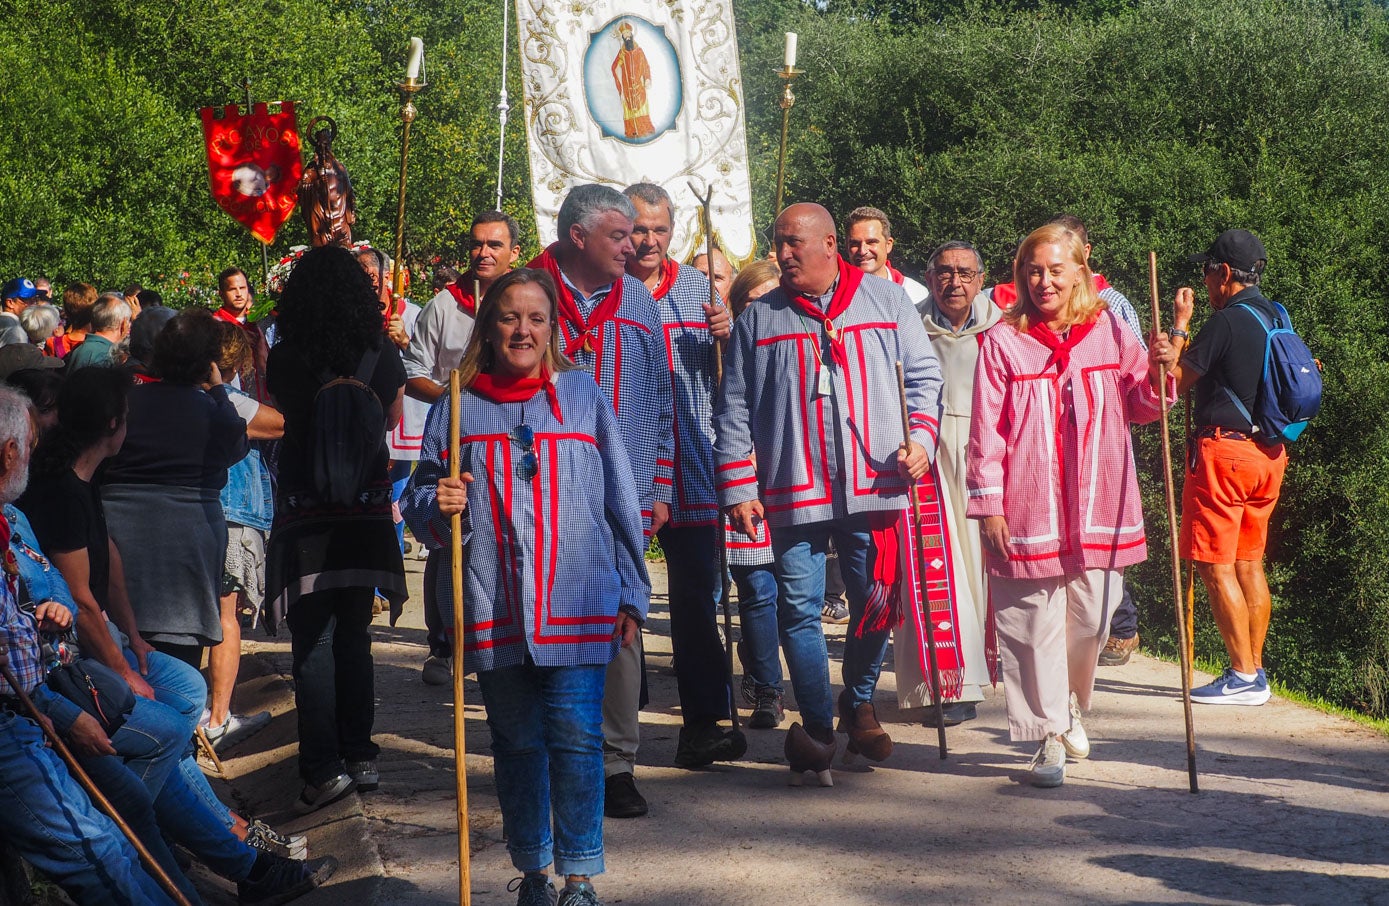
<point>523,435</point>
<point>1210,267</point>
<point>949,273</point>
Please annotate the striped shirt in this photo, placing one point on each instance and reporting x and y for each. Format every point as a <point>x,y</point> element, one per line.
<point>550,559</point>
<point>823,455</point>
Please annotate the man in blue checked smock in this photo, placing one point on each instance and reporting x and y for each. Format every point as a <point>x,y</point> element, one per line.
<point>810,387</point>
<point>609,326</point>
<point>689,328</point>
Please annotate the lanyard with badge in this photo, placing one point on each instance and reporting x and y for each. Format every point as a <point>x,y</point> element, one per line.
<point>824,383</point>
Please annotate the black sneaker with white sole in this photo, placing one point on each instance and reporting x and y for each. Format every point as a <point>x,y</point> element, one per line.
<point>274,879</point>
<point>265,838</point>
<point>315,796</point>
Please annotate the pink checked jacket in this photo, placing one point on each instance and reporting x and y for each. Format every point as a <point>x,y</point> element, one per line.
<point>1050,451</point>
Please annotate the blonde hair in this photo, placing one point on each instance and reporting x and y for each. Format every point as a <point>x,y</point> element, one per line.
<point>750,278</point>
<point>478,356</point>
<point>1085,300</point>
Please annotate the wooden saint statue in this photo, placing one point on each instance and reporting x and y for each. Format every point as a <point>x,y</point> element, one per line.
<point>326,199</point>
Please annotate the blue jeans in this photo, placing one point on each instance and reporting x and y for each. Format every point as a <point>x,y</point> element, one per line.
<point>757,604</point>
<point>1124,623</point>
<point>547,742</point>
<point>800,574</point>
<point>400,477</point>
<point>334,680</point>
<point>55,827</point>
<point>701,673</point>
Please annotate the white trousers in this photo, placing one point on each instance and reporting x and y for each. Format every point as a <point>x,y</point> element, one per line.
<point>1050,633</point>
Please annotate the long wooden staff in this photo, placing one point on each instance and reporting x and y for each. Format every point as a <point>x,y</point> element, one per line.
<point>155,869</point>
<point>920,553</point>
<point>1172,533</point>
<point>720,543</point>
<point>460,768</point>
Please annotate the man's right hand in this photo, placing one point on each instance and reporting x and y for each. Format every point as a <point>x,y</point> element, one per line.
<point>137,684</point>
<point>994,533</point>
<point>87,738</point>
<point>746,517</point>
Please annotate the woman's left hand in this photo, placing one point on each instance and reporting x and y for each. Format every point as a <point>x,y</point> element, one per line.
<point>452,494</point>
<point>625,628</point>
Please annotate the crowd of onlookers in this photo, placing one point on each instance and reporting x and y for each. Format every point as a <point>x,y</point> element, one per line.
<point>139,447</point>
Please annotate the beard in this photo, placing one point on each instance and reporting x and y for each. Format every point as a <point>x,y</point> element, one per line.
<point>15,484</point>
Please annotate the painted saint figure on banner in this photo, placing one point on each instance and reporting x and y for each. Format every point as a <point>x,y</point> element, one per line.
<point>632,77</point>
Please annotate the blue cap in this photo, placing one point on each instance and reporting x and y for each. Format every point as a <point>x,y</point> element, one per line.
<point>19,288</point>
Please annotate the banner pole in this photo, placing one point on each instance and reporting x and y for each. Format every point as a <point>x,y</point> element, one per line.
<point>264,246</point>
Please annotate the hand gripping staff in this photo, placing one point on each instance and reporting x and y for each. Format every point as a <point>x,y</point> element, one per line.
<point>921,573</point>
<point>725,579</point>
<point>460,769</point>
<point>1185,665</point>
<point>156,871</point>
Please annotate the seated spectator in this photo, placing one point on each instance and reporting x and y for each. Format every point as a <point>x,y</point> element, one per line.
<point>78,300</point>
<point>110,325</point>
<point>40,322</point>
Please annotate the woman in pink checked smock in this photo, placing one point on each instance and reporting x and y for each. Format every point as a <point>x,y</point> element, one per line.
<point>1051,479</point>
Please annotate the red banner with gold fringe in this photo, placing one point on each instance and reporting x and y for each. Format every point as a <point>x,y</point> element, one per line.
<point>253,164</point>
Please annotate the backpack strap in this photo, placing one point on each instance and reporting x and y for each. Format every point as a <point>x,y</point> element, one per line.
<point>1234,397</point>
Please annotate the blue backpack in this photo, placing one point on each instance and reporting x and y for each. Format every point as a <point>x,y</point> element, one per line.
<point>1289,393</point>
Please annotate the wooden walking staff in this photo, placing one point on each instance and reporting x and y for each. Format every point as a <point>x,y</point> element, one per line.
<point>460,768</point>
<point>920,553</point>
<point>1172,534</point>
<point>154,868</point>
<point>1190,576</point>
<point>721,543</point>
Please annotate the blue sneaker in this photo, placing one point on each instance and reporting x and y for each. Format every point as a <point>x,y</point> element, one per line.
<point>1229,689</point>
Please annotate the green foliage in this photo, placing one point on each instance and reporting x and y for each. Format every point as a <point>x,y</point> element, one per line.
<point>1160,123</point>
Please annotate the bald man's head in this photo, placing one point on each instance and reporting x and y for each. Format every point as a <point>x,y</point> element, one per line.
<point>806,248</point>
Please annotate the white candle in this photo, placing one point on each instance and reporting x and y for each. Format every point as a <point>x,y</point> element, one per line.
<point>416,59</point>
<point>790,58</point>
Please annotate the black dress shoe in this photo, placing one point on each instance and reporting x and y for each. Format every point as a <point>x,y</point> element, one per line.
<point>620,797</point>
<point>955,713</point>
<point>702,744</point>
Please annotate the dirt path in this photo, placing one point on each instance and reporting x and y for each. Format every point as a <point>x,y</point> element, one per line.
<point>1292,806</point>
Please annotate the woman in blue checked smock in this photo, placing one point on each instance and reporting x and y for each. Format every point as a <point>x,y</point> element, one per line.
<point>555,578</point>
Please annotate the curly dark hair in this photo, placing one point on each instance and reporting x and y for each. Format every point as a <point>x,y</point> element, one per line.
<point>329,311</point>
<point>89,402</point>
<point>187,346</point>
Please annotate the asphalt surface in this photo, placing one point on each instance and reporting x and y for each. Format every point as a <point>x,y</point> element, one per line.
<point>1291,809</point>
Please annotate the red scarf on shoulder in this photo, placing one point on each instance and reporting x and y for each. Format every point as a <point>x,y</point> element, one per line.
<point>894,273</point>
<point>465,299</point>
<point>669,271</point>
<point>580,331</point>
<point>500,389</point>
<point>849,280</point>
<point>1060,348</point>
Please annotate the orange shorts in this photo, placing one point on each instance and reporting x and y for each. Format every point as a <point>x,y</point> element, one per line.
<point>1228,499</point>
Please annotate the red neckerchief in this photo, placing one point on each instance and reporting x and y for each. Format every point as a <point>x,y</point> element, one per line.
<point>849,280</point>
<point>500,389</point>
<point>465,300</point>
<point>894,273</point>
<point>1060,349</point>
<point>569,314</point>
<point>669,271</point>
<point>225,315</point>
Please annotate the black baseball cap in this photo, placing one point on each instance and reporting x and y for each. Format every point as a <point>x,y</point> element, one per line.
<point>1240,249</point>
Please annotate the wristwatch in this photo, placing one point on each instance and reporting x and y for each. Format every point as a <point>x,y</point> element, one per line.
<point>1175,331</point>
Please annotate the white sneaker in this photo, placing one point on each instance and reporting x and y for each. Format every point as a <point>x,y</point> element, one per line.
<point>1049,764</point>
<point>1074,740</point>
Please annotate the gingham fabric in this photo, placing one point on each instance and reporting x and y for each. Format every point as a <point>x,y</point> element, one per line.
<point>1121,306</point>
<point>745,551</point>
<point>548,560</point>
<point>690,357</point>
<point>630,367</point>
<point>769,403</point>
<point>438,339</point>
<point>1051,451</point>
<point>18,631</point>
<point>405,438</point>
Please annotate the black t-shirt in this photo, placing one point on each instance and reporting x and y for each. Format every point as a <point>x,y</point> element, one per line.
<point>66,515</point>
<point>1228,351</point>
<point>293,384</point>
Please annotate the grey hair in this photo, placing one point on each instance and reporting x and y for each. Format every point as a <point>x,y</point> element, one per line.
<point>955,245</point>
<point>39,322</point>
<point>14,417</point>
<point>109,311</point>
<point>585,204</point>
<point>651,194</point>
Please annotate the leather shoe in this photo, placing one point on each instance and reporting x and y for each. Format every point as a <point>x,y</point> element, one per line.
<point>702,744</point>
<point>955,713</point>
<point>620,797</point>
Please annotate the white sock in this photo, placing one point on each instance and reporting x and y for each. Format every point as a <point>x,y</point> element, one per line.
<point>1247,677</point>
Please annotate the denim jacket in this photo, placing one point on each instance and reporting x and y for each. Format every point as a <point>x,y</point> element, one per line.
<point>248,498</point>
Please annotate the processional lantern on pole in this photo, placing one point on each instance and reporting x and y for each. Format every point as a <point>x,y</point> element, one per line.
<point>787,73</point>
<point>414,81</point>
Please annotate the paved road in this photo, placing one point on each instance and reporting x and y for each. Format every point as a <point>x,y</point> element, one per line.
<point>1292,806</point>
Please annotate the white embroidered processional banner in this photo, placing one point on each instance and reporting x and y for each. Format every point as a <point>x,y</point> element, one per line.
<point>622,91</point>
